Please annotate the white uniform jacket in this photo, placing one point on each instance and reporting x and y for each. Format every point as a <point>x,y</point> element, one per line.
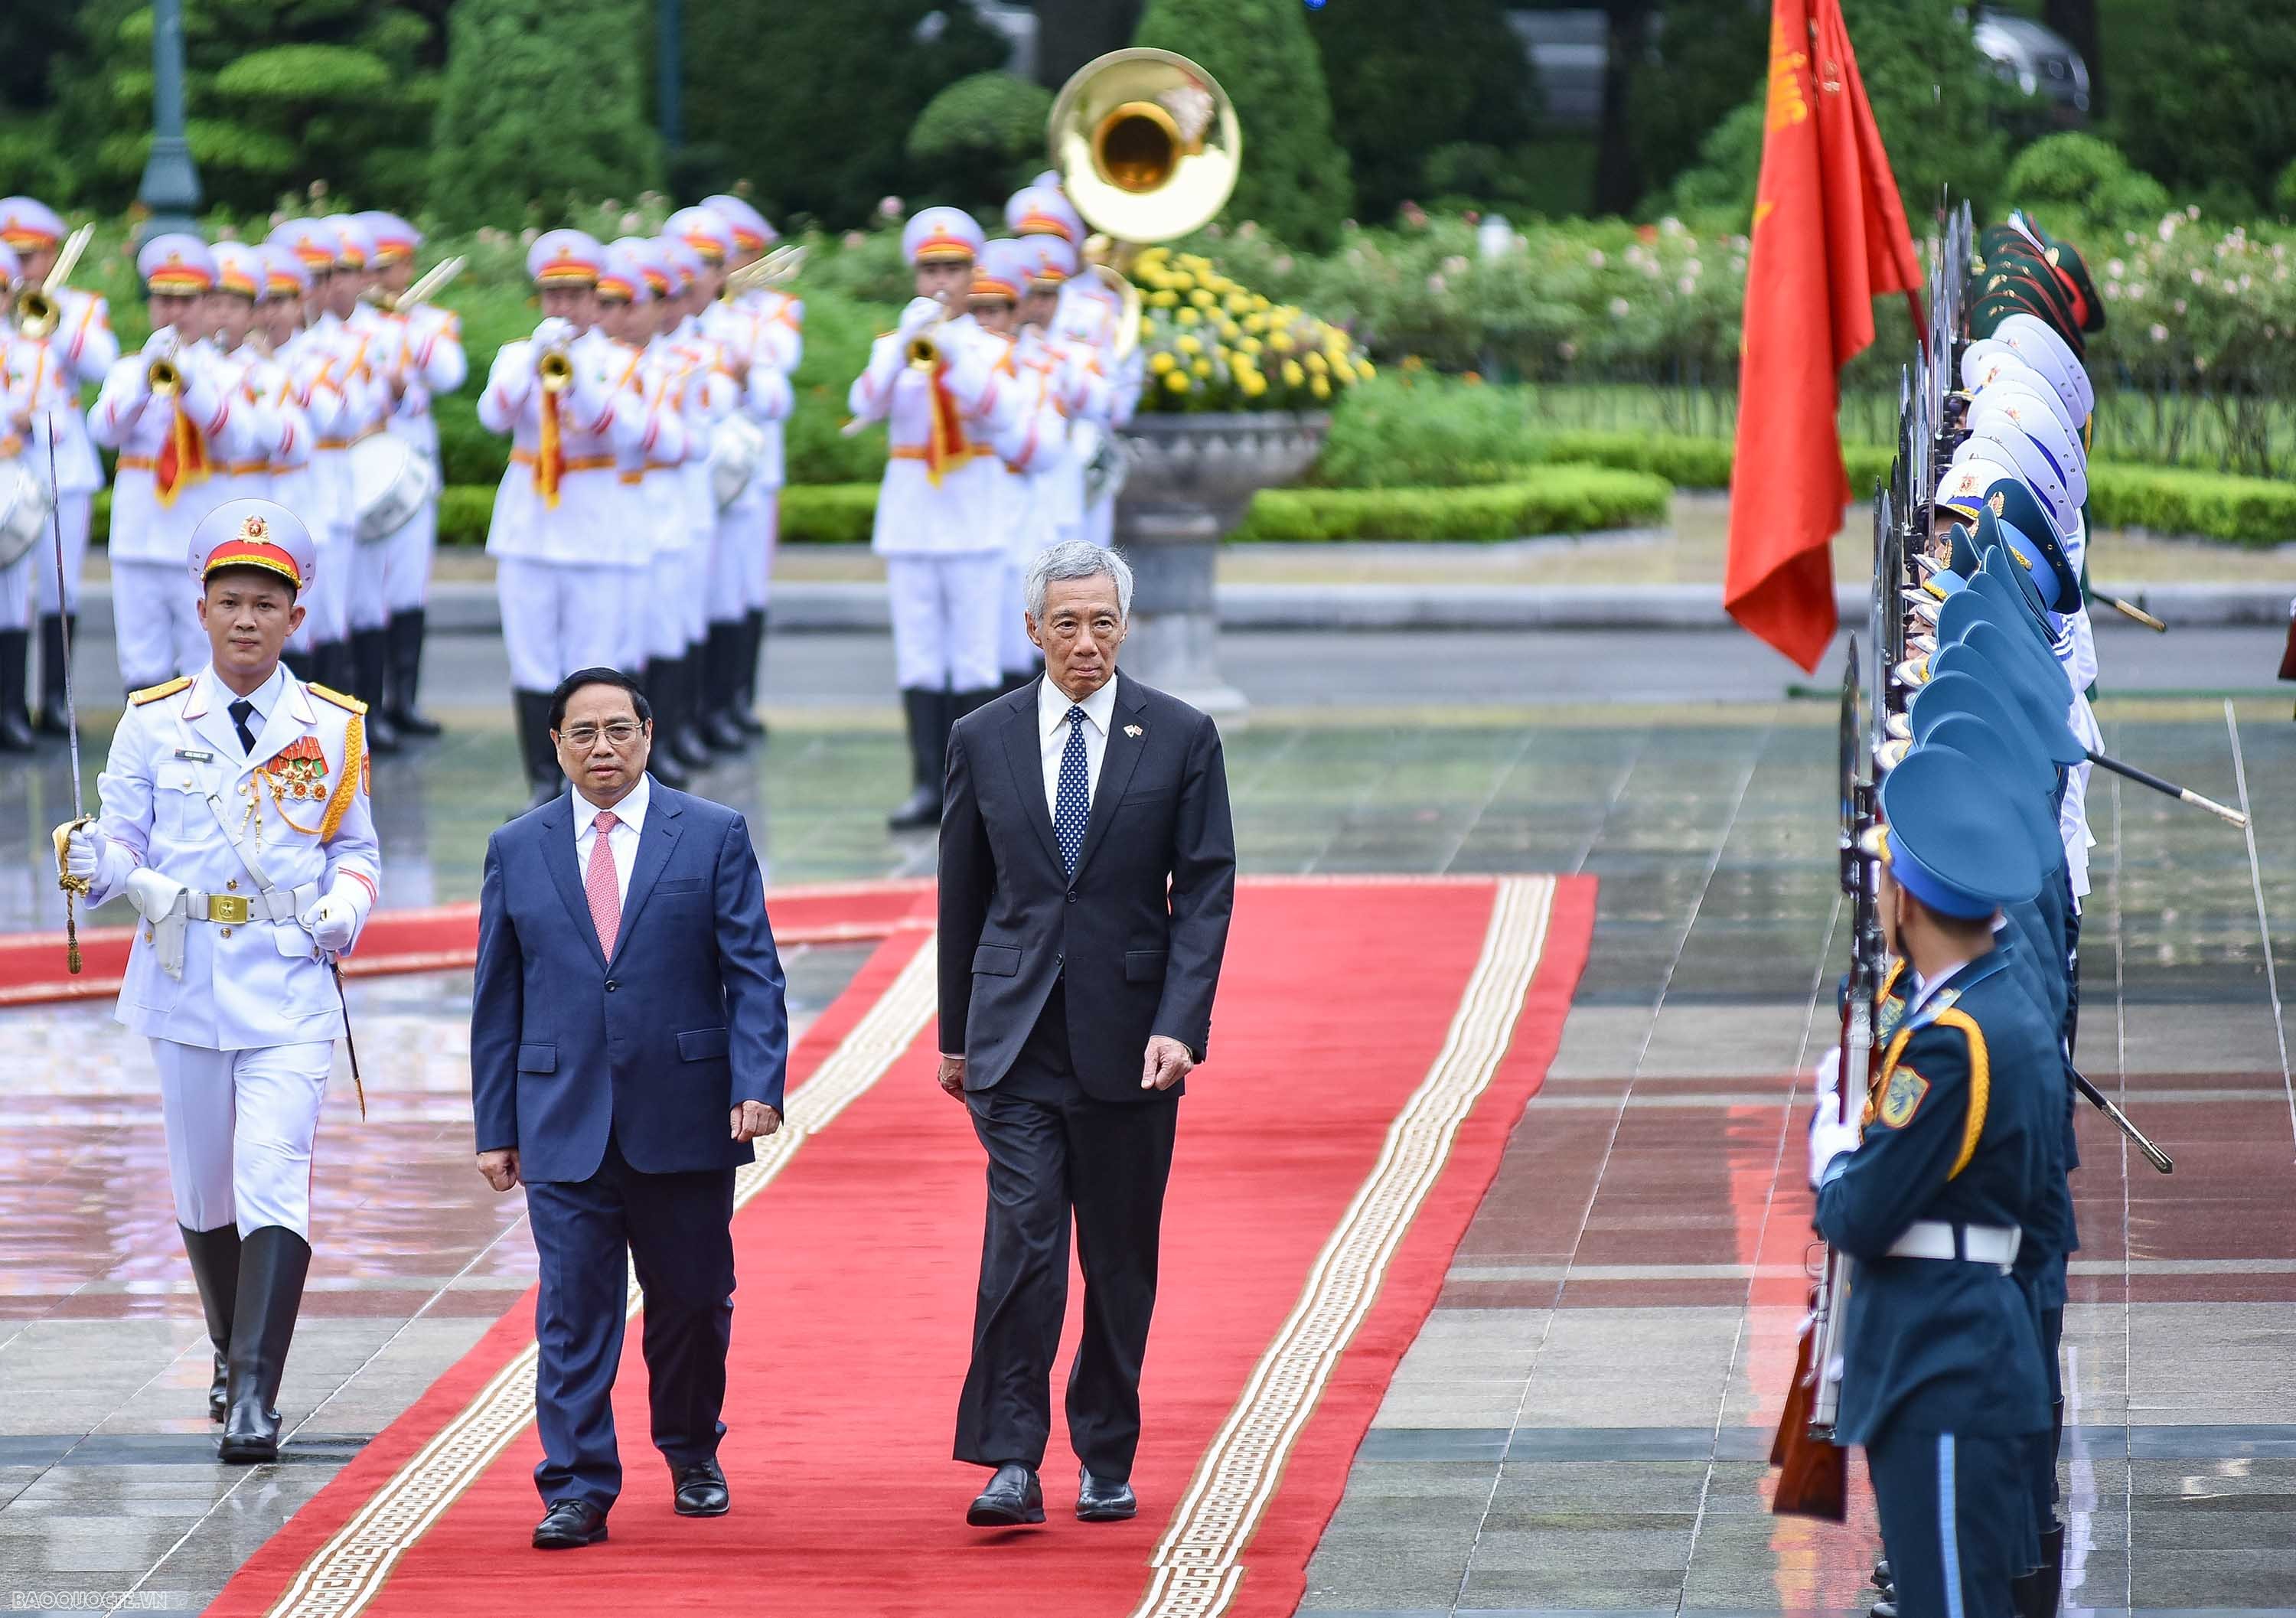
<point>299,800</point>
<point>943,483</point>
<point>81,349</point>
<point>168,450</point>
<point>431,362</point>
<point>560,501</point>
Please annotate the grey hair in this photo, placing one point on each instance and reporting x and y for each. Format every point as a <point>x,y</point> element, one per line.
<point>1077,559</point>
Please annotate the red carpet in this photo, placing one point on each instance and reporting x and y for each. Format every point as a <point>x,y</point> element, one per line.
<point>1375,1042</point>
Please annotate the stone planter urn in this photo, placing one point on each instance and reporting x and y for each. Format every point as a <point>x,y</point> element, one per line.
<point>1189,478</point>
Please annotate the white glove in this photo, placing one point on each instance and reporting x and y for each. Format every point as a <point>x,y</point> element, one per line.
<point>162,344</point>
<point>84,848</point>
<point>331,921</point>
<point>1829,1136</point>
<point>921,313</point>
<point>555,332</point>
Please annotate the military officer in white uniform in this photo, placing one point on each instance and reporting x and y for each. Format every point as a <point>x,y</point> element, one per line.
<point>936,383</point>
<point>235,820</point>
<point>170,438</point>
<point>572,402</point>
<point>78,352</point>
<point>431,362</point>
<point>323,645</point>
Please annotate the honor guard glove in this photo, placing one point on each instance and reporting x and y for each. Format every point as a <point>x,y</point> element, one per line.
<point>84,849</point>
<point>921,314</point>
<point>1829,1138</point>
<point>555,332</point>
<point>331,921</point>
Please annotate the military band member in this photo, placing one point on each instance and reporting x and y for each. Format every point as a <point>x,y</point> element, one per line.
<point>703,394</point>
<point>431,362</point>
<point>1943,1382</point>
<point>230,312</point>
<point>564,551</point>
<point>321,649</point>
<point>23,382</point>
<point>235,820</point>
<point>934,381</point>
<point>169,412</point>
<point>777,342</point>
<point>80,352</point>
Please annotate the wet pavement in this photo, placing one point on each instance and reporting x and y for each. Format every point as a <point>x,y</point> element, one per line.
<point>1582,1421</point>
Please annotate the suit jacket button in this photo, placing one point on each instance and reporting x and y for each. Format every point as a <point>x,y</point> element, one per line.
<point>611,986</point>
<point>1071,896</point>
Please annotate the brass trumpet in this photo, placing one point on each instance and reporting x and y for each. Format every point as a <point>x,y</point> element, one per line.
<point>165,379</point>
<point>1148,148</point>
<point>924,353</point>
<point>37,307</point>
<point>556,367</point>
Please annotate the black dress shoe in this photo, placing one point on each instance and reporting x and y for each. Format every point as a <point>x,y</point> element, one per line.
<point>1100,1499</point>
<point>1013,1497</point>
<point>1881,1574</point>
<point>570,1525</point>
<point>700,1489</point>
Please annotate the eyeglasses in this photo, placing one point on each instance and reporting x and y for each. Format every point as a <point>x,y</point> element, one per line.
<point>620,734</point>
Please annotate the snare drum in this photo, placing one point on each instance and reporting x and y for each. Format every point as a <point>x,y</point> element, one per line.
<point>25,502</point>
<point>390,480</point>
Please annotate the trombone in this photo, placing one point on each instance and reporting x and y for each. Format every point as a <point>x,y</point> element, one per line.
<point>38,309</point>
<point>778,268</point>
<point>433,281</point>
<point>1148,147</point>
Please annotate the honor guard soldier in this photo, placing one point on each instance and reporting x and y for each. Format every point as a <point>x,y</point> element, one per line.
<point>1033,447</point>
<point>235,820</point>
<point>170,413</point>
<point>23,371</point>
<point>322,648</point>
<point>1942,1381</point>
<point>777,342</point>
<point>298,483</point>
<point>704,395</point>
<point>240,278</point>
<point>935,385</point>
<point>564,551</point>
<point>79,350</point>
<point>431,362</point>
<point>368,361</point>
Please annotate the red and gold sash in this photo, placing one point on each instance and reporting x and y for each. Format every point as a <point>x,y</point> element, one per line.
<point>183,460</point>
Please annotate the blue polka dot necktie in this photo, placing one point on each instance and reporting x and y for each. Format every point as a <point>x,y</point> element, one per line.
<point>1072,803</point>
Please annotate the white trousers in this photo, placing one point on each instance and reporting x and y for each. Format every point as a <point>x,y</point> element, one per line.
<point>17,587</point>
<point>1016,654</point>
<point>736,550</point>
<point>76,510</point>
<point>944,619</point>
<point>240,1127</point>
<point>560,616</point>
<point>406,571</point>
<point>156,620</point>
<point>326,600</point>
<point>675,615</point>
<point>758,565</point>
<point>369,606</point>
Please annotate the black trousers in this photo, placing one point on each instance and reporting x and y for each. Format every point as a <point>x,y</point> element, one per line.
<point>1056,1154</point>
<point>677,1231</point>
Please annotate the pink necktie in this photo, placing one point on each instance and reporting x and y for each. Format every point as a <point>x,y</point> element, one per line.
<point>599,883</point>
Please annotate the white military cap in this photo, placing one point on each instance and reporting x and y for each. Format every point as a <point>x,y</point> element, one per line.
<point>752,234</point>
<point>354,243</point>
<point>940,235</point>
<point>1039,210</point>
<point>283,273</point>
<point>2052,356</point>
<point>393,238</point>
<point>622,276</point>
<point>311,241</point>
<point>254,534</point>
<point>176,265</point>
<point>28,225</point>
<point>564,257</point>
<point>646,256</point>
<point>239,268</point>
<point>708,232</point>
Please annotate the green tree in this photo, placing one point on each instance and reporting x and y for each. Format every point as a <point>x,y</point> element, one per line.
<point>1706,55</point>
<point>979,139</point>
<point>278,93</point>
<point>545,100</point>
<point>2201,93</point>
<point>812,102</point>
<point>1295,178</point>
<point>1414,79</point>
<point>1935,97</point>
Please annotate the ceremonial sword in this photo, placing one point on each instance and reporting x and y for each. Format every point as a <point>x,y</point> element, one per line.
<point>76,888</point>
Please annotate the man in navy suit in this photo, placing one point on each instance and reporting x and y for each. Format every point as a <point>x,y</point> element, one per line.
<point>628,1040</point>
<point>1087,869</point>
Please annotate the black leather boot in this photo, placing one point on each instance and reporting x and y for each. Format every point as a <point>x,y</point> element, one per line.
<point>534,747</point>
<point>53,720</point>
<point>405,633</point>
<point>330,665</point>
<point>753,652</point>
<point>16,669</point>
<point>964,703</point>
<point>215,1266</point>
<point>691,750</point>
<point>927,716</point>
<point>720,694</point>
<point>369,666</point>
<point>273,1263</point>
<point>660,684</point>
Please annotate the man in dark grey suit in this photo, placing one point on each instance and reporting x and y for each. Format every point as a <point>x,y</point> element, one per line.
<point>1087,869</point>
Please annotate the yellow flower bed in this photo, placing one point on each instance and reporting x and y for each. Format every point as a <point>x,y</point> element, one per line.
<point>1214,345</point>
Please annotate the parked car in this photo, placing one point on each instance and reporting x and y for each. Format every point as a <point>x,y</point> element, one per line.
<point>2037,60</point>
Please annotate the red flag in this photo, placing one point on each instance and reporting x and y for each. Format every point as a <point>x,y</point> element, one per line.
<point>1829,237</point>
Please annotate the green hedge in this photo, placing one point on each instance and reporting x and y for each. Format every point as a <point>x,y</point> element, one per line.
<point>1549,500</point>
<point>2216,506</point>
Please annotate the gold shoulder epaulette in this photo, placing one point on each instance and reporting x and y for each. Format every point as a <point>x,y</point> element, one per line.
<point>336,697</point>
<point>152,694</point>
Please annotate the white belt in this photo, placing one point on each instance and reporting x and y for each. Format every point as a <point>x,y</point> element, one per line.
<point>232,909</point>
<point>168,908</point>
<point>1995,1245</point>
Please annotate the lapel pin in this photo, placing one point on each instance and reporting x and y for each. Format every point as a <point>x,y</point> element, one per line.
<point>1132,730</point>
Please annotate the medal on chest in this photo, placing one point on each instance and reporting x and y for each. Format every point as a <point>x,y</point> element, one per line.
<point>297,773</point>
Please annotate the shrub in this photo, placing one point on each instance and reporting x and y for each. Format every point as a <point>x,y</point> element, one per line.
<point>980,138</point>
<point>1549,500</point>
<point>544,100</point>
<point>2083,185</point>
<point>1212,344</point>
<point>1399,431</point>
<point>828,513</point>
<point>1295,176</point>
<point>2217,505</point>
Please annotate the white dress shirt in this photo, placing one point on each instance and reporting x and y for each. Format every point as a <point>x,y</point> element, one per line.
<point>1053,705</point>
<point>630,823</point>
